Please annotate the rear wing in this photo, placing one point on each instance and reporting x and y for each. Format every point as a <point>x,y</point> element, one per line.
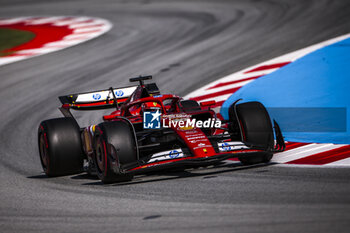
<point>97,99</point>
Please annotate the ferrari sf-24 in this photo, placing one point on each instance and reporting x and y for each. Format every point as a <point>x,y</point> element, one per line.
<point>148,130</point>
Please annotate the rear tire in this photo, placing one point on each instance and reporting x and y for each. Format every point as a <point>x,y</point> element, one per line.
<point>114,146</point>
<point>257,130</point>
<point>60,147</point>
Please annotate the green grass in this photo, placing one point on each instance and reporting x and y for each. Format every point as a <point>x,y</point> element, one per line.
<point>10,38</point>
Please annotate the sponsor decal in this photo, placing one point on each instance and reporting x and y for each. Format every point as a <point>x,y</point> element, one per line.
<point>96,96</point>
<point>196,137</point>
<point>229,146</point>
<point>200,140</point>
<point>186,128</point>
<point>105,94</point>
<point>225,146</point>
<point>201,145</point>
<point>191,132</point>
<point>151,119</point>
<point>119,93</point>
<point>174,154</point>
<point>166,155</point>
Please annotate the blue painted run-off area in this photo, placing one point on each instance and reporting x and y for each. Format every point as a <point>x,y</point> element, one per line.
<point>309,98</point>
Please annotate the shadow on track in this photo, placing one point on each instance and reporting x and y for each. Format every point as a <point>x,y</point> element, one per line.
<point>42,176</point>
<point>180,174</point>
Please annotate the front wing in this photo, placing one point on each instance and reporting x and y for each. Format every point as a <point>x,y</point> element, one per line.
<point>187,161</point>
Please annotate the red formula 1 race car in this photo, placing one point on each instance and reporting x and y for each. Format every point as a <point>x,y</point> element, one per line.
<point>149,131</point>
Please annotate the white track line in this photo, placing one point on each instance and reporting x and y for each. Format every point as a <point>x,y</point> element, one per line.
<point>302,152</point>
<point>36,51</point>
<point>44,21</point>
<point>224,88</point>
<point>285,58</point>
<point>219,97</point>
<point>12,21</point>
<point>92,29</point>
<point>342,162</point>
<point>80,25</point>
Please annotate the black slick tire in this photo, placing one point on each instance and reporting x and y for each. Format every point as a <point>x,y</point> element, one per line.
<point>60,147</point>
<point>256,129</point>
<point>114,146</point>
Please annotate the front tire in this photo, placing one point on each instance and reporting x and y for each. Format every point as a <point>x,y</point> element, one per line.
<point>114,146</point>
<point>256,129</point>
<point>60,147</point>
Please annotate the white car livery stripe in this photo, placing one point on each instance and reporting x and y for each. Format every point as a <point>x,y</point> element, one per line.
<point>165,155</point>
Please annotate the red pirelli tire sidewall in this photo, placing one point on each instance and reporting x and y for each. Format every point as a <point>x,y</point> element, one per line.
<point>63,148</point>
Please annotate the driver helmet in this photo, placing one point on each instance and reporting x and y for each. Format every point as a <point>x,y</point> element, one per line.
<point>151,106</point>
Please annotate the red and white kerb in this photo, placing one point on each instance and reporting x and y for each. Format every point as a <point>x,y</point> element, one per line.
<point>296,153</point>
<point>52,34</point>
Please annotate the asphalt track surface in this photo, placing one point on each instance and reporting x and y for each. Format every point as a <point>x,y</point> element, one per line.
<point>185,44</point>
